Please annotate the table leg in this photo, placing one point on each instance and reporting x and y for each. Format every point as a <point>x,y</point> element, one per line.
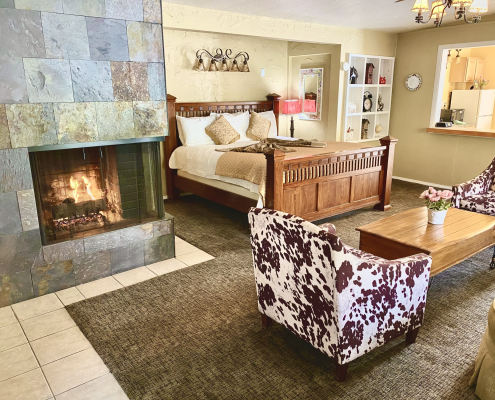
<point>492,264</point>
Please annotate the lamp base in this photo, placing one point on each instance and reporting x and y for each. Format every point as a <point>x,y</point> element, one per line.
<point>291,126</point>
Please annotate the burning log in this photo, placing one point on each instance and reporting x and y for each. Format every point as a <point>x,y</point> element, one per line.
<point>70,209</point>
<point>69,223</point>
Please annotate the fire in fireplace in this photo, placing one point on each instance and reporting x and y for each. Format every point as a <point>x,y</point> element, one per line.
<point>86,191</point>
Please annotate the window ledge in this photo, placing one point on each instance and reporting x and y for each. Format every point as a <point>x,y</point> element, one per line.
<point>462,131</point>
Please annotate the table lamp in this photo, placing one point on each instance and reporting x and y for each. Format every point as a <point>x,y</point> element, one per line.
<point>291,107</point>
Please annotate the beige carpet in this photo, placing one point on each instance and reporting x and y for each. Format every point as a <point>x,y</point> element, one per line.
<point>196,333</point>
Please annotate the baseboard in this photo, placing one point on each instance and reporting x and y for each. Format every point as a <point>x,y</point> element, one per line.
<point>435,185</point>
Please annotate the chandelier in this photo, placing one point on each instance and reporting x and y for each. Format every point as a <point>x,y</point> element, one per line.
<point>439,7</point>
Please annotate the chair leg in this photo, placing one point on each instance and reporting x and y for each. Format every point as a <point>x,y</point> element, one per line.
<point>411,336</point>
<point>492,264</point>
<point>266,321</point>
<point>341,371</point>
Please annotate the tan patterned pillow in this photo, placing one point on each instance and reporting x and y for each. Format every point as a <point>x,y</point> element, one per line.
<point>221,132</point>
<point>258,127</point>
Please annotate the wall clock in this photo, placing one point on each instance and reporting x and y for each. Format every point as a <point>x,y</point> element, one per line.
<point>367,103</point>
<point>413,82</point>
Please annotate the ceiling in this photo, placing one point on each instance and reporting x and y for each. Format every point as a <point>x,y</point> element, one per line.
<point>382,15</point>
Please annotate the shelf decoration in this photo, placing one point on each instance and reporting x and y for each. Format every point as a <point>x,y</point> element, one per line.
<point>222,58</point>
<point>353,74</point>
<point>380,104</point>
<point>383,80</point>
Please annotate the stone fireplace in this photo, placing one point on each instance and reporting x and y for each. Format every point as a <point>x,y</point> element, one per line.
<point>83,107</point>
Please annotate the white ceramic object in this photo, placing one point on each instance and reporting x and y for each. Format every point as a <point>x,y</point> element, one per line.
<point>413,82</point>
<point>436,217</point>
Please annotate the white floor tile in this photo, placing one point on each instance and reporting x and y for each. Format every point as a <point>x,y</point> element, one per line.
<point>11,336</point>
<point>195,257</point>
<point>72,371</point>
<point>164,267</point>
<point>28,386</point>
<point>134,276</point>
<point>7,316</point>
<point>95,288</point>
<point>104,388</point>
<point>59,345</point>
<point>178,239</point>
<point>47,324</point>
<point>69,296</point>
<point>37,306</point>
<point>182,248</point>
<point>16,361</point>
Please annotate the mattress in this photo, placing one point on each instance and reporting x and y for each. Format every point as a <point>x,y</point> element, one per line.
<point>202,161</point>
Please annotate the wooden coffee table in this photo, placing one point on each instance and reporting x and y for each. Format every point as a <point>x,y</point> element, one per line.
<point>463,234</point>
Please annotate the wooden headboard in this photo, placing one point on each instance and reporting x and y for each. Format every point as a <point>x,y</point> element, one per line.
<point>272,103</point>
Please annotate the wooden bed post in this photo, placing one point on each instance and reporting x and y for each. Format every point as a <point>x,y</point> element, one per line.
<point>275,99</point>
<point>388,166</point>
<point>274,196</point>
<point>170,146</point>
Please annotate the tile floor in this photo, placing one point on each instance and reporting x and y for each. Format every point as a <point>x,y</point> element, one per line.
<point>45,356</point>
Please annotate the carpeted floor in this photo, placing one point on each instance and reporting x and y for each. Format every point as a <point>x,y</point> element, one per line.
<point>196,333</point>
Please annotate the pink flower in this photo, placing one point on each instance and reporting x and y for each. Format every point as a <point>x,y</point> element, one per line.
<point>446,194</point>
<point>424,195</point>
<point>431,190</point>
<point>434,198</point>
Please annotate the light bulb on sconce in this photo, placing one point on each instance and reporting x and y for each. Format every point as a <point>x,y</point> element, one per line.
<point>213,66</point>
<point>449,57</point>
<point>235,66</point>
<point>246,67</point>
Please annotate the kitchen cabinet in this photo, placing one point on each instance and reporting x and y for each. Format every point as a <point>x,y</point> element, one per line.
<point>468,69</point>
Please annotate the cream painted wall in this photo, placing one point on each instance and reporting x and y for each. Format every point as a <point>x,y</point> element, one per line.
<point>189,85</point>
<point>423,156</point>
<point>185,18</point>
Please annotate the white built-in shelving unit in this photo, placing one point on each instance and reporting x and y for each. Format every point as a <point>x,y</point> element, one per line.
<point>384,67</point>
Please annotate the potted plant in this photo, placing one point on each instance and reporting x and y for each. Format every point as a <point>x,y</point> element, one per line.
<point>437,202</point>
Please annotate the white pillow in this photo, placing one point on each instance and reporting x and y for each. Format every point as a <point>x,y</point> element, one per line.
<point>239,121</point>
<point>270,116</point>
<point>192,130</point>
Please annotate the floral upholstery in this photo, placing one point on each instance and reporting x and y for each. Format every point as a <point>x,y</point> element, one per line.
<point>476,194</point>
<point>343,301</point>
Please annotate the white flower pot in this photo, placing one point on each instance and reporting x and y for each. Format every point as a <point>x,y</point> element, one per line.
<point>436,217</point>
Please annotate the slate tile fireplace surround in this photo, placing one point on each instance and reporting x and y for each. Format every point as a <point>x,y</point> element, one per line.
<point>82,108</point>
<point>72,215</point>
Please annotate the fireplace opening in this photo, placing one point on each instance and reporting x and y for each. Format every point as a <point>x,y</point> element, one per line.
<point>86,191</point>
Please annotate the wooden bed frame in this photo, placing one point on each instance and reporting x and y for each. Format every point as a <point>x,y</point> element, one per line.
<point>312,187</point>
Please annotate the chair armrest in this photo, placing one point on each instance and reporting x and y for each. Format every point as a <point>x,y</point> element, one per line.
<point>377,299</point>
<point>330,228</point>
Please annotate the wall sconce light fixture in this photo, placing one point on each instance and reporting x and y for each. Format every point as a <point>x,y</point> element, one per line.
<point>222,58</point>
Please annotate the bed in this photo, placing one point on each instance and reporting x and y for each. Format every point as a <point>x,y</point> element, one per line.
<point>310,186</point>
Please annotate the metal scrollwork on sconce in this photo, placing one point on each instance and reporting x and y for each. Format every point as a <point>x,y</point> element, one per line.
<point>222,58</point>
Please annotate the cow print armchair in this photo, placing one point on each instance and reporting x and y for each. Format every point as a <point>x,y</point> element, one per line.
<point>343,301</point>
<point>477,195</point>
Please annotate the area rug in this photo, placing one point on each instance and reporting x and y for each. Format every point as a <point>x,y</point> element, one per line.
<point>196,333</point>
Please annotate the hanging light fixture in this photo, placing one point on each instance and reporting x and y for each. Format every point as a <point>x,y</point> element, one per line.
<point>449,58</point>
<point>439,8</point>
<point>457,57</point>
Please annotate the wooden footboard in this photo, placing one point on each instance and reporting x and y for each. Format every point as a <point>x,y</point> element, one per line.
<point>318,187</point>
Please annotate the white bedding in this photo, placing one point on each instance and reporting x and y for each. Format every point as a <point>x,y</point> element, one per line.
<point>202,161</point>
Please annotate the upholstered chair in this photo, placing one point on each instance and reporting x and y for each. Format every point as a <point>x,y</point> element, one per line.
<point>343,301</point>
<point>477,195</point>
<point>484,371</point>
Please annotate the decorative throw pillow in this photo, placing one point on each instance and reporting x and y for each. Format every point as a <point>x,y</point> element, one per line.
<point>239,121</point>
<point>259,127</point>
<point>221,132</point>
<point>192,130</point>
<point>270,116</point>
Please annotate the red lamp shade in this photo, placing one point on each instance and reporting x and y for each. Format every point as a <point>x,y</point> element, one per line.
<point>310,106</point>
<point>291,107</point>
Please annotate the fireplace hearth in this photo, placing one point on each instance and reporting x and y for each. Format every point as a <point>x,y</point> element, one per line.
<point>87,191</point>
